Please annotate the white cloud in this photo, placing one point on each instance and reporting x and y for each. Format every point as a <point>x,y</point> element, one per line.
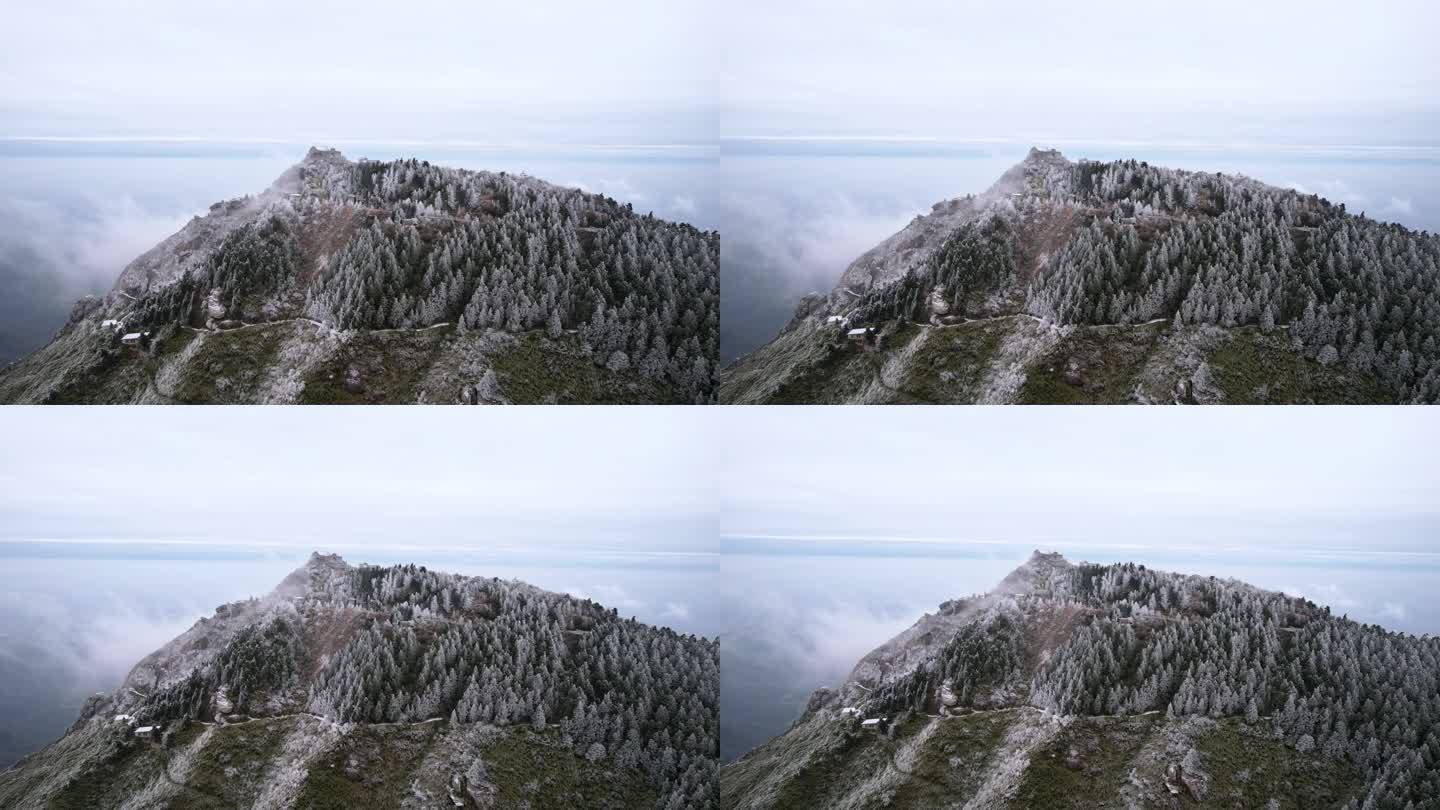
<point>87,252</point>
<point>1401,206</point>
<point>676,610</point>
<point>927,475</point>
<point>520,482</point>
<point>1338,191</point>
<point>273,69</point>
<point>1393,610</point>
<point>1333,595</point>
<point>608,595</point>
<point>1000,69</point>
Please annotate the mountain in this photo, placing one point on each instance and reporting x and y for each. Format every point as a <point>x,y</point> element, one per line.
<point>1093,282</point>
<point>366,686</point>
<point>398,282</point>
<point>1086,686</point>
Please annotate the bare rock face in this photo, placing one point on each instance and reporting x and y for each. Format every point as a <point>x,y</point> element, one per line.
<point>1172,778</point>
<point>811,304</point>
<point>818,699</point>
<point>214,310</point>
<point>83,309</point>
<point>939,307</point>
<point>1192,774</point>
<point>948,698</point>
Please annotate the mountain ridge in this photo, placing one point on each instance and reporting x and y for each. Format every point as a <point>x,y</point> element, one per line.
<point>396,687</point>
<point>340,268</point>
<point>1083,685</point>
<point>1108,282</point>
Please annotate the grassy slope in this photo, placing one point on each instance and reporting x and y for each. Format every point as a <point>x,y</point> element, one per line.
<point>1255,369</point>
<point>1095,365</point>
<point>1086,765</point>
<point>372,767</point>
<point>952,365</point>
<point>1247,769</point>
<point>538,370</point>
<point>388,366</point>
<point>536,769</point>
<point>229,771</point>
<point>824,760</point>
<point>228,365</point>
<point>1092,365</point>
<point>367,368</point>
<point>1095,762</point>
<point>953,761</point>
<point>375,766</point>
<point>129,771</point>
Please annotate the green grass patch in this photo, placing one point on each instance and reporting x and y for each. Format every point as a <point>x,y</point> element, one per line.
<point>953,760</point>
<point>175,344</point>
<point>1094,365</point>
<point>830,380</point>
<point>228,365</point>
<point>376,368</point>
<point>831,773</point>
<point>1248,767</point>
<point>1254,368</point>
<point>843,370</point>
<point>230,769</point>
<point>538,370</point>
<point>1086,765</point>
<point>372,766</point>
<point>107,785</point>
<point>953,363</point>
<point>115,377</point>
<point>535,770</point>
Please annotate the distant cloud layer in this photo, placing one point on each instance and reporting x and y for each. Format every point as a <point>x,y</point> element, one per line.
<point>1261,479</point>
<point>1115,68</point>
<point>627,480</point>
<point>636,71</point>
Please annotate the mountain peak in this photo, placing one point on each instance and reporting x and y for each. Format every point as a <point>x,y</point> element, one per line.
<point>1038,155</point>
<point>318,560</point>
<point>298,582</point>
<point>428,668</point>
<point>1034,571</point>
<point>318,155</point>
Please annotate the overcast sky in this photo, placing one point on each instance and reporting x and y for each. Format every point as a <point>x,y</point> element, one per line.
<point>1046,69</point>
<point>634,71</point>
<point>1257,478</point>
<point>534,479</point>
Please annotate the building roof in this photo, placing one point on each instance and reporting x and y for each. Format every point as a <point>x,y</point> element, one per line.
<point>144,729</point>
<point>131,336</point>
<point>874,721</point>
<point>857,331</point>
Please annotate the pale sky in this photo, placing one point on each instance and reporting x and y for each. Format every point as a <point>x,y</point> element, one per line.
<point>530,479</point>
<point>633,71</point>
<point>1264,478</point>
<point>1046,69</point>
